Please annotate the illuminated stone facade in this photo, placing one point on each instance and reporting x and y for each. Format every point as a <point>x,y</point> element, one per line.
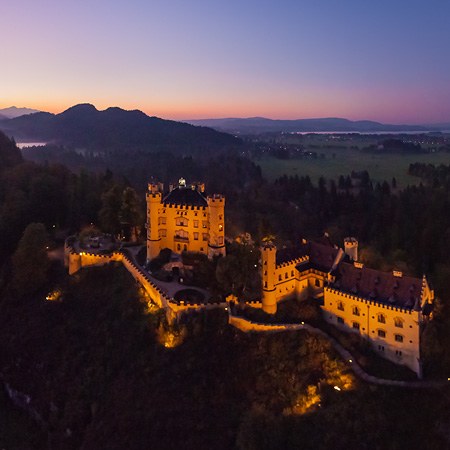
<point>185,219</point>
<point>387,308</point>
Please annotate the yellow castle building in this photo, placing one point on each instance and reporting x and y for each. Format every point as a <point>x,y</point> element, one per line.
<point>184,219</point>
<point>387,308</point>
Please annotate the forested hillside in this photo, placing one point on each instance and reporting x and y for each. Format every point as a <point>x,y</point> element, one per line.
<point>114,129</point>
<point>94,365</point>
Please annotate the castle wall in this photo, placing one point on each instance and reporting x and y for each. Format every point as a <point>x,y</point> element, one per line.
<point>393,332</point>
<point>247,325</point>
<point>185,227</point>
<point>76,261</point>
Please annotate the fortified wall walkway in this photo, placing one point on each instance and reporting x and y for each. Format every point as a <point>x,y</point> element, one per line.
<point>160,295</point>
<point>249,326</point>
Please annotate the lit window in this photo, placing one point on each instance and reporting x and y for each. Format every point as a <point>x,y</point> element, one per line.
<point>381,333</point>
<point>181,222</point>
<point>399,338</point>
<point>398,322</point>
<point>220,227</point>
<point>181,234</point>
<point>381,318</point>
<point>355,311</point>
<point>204,224</point>
<point>340,306</point>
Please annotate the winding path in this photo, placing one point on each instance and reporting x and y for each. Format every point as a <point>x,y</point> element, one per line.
<point>345,354</point>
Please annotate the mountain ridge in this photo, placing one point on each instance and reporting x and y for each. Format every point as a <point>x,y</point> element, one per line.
<point>258,125</point>
<point>83,126</point>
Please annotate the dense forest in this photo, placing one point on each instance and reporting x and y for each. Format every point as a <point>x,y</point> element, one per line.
<point>93,365</point>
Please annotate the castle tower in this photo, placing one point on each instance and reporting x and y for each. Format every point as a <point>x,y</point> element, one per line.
<point>269,293</point>
<point>153,204</point>
<point>351,248</point>
<point>216,207</point>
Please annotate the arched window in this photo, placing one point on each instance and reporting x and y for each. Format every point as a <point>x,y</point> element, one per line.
<point>340,306</point>
<point>381,318</point>
<point>398,322</point>
<point>355,311</point>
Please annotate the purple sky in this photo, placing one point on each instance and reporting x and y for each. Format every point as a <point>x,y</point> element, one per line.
<point>385,60</point>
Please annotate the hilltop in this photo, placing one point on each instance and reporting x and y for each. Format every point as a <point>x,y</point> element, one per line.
<point>84,127</point>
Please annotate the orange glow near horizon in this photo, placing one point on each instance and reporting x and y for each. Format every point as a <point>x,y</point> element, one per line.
<point>388,105</point>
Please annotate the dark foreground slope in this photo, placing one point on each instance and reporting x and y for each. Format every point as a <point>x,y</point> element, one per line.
<point>99,377</point>
<point>84,127</point>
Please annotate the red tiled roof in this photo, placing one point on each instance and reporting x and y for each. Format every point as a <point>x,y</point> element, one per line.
<point>383,287</point>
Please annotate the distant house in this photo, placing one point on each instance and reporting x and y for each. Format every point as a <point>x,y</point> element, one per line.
<point>387,308</point>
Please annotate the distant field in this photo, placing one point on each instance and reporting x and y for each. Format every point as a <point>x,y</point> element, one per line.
<point>380,167</point>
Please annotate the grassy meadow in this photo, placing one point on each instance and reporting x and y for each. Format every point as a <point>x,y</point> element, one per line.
<point>341,161</point>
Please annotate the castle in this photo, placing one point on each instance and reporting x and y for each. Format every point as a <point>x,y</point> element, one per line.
<point>386,308</point>
<point>184,219</point>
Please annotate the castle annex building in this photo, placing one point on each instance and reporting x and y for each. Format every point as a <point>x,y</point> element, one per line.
<point>387,308</point>
<point>185,219</point>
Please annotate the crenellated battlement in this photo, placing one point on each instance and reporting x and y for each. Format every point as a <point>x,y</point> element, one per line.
<point>367,301</point>
<point>293,262</point>
<point>216,200</point>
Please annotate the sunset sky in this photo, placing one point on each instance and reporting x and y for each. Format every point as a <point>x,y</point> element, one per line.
<point>385,60</point>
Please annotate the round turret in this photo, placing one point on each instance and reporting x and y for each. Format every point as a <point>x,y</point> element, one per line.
<point>269,295</point>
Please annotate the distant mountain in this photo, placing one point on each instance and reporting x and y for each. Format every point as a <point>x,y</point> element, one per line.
<point>114,129</point>
<point>258,125</point>
<point>13,112</point>
<point>440,126</point>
